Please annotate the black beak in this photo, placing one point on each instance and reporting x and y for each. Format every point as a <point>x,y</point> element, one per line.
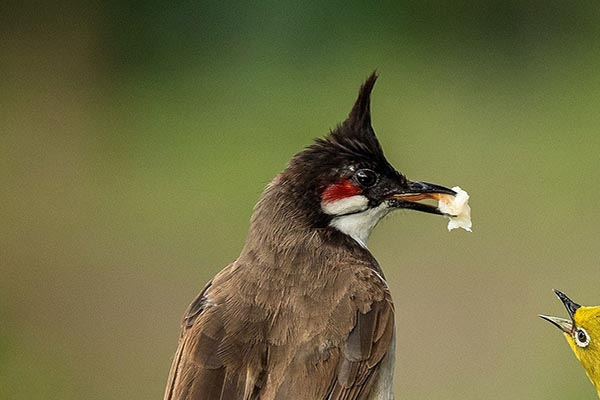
<point>564,325</point>
<point>416,190</point>
<point>570,305</point>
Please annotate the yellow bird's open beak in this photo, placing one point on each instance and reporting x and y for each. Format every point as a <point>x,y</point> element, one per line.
<point>563,324</point>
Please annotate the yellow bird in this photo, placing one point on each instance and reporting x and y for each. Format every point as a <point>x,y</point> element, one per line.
<point>582,332</point>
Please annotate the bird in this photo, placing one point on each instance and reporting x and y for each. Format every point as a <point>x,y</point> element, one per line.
<point>305,311</point>
<point>582,331</point>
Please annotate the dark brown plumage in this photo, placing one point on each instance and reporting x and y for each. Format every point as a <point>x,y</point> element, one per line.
<point>304,312</point>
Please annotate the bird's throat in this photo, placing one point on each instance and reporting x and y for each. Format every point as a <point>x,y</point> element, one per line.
<point>360,225</point>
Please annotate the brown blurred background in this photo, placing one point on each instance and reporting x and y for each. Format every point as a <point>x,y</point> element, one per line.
<point>137,136</point>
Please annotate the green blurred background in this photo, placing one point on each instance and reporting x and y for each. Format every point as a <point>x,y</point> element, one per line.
<point>137,136</point>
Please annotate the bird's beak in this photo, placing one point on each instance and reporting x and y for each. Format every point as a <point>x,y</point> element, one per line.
<point>409,197</point>
<point>563,324</point>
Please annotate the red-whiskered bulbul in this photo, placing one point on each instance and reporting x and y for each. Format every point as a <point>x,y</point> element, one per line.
<point>305,311</point>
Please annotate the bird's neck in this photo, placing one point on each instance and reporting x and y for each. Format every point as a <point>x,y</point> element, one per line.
<point>594,376</point>
<point>282,231</point>
<point>590,360</point>
<point>593,372</point>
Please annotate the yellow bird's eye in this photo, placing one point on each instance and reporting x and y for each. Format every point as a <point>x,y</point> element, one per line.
<point>582,338</point>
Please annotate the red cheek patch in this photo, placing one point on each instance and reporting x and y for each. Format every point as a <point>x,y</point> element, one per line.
<point>344,188</point>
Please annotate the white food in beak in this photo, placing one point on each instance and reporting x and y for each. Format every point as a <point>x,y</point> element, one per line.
<point>457,208</point>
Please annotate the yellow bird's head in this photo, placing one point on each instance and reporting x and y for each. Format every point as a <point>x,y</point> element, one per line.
<point>582,332</point>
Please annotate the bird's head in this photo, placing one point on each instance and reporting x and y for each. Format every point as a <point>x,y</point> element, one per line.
<point>582,331</point>
<point>344,181</point>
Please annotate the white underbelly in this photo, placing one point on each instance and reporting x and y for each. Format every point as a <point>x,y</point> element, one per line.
<point>384,387</point>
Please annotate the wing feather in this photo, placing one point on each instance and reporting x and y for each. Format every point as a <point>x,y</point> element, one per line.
<point>232,349</point>
<point>367,345</point>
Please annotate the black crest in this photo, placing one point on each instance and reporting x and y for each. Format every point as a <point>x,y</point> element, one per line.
<point>350,146</point>
<point>356,135</point>
<point>353,140</point>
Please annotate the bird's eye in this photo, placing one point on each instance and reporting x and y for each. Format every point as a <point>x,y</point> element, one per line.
<point>582,338</point>
<point>366,177</point>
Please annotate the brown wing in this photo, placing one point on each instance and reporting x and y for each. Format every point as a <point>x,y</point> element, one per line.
<point>332,351</point>
<point>210,364</point>
<point>358,314</point>
<point>196,372</point>
<point>340,351</point>
<point>363,354</point>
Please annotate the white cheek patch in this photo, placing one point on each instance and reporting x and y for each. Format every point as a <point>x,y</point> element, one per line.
<point>360,225</point>
<point>346,205</point>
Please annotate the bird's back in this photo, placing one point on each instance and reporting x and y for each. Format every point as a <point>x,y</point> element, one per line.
<point>266,333</point>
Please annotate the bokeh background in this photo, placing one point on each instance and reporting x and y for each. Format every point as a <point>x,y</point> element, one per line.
<point>136,137</point>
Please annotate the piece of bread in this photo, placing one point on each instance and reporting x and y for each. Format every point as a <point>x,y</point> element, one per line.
<point>457,209</point>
